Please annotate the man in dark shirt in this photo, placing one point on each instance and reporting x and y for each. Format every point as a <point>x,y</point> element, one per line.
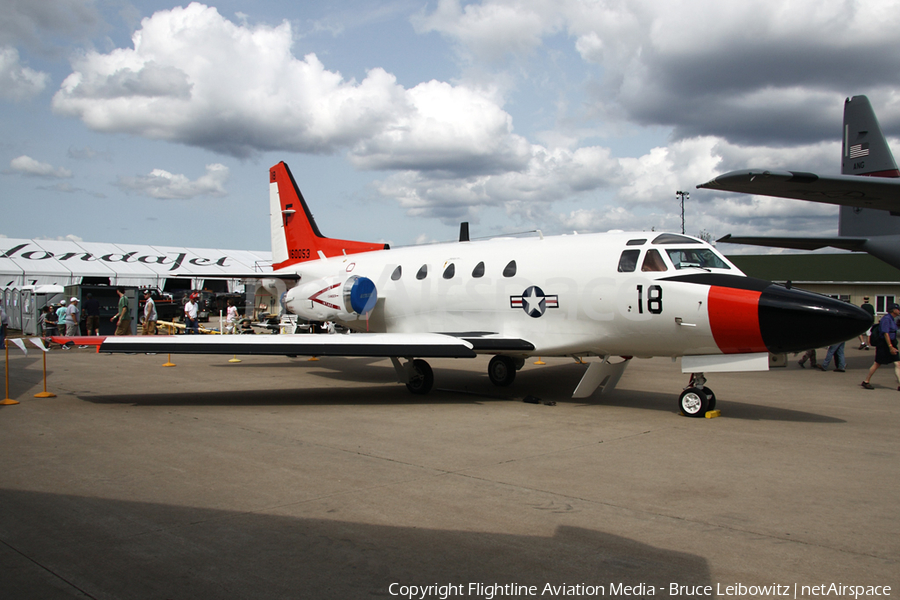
<point>92,312</point>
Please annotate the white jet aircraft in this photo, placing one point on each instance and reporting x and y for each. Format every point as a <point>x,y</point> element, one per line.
<point>607,295</point>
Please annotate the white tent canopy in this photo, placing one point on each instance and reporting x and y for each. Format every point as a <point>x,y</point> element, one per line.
<point>40,262</point>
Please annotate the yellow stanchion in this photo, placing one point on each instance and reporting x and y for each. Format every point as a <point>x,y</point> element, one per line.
<point>313,358</point>
<point>45,393</point>
<point>234,360</point>
<point>7,400</point>
<point>539,361</point>
<point>169,362</point>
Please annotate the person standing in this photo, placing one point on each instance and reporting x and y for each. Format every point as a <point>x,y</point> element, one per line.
<point>92,315</point>
<point>50,322</point>
<point>123,315</point>
<point>4,326</point>
<point>61,316</point>
<point>231,316</point>
<point>836,351</point>
<point>73,317</point>
<point>190,315</point>
<point>149,327</point>
<point>886,351</point>
<point>864,337</point>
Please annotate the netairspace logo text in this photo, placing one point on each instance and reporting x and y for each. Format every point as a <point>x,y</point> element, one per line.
<point>490,591</point>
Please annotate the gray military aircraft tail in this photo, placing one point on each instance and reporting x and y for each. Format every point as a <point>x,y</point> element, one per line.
<point>868,191</point>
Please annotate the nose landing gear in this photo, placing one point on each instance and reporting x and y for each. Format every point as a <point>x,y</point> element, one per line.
<point>696,399</point>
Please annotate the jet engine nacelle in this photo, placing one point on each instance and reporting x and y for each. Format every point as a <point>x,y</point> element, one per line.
<point>340,298</point>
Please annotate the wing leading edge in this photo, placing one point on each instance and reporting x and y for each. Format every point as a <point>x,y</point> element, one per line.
<point>843,190</point>
<point>422,345</point>
<point>431,345</point>
<point>798,243</point>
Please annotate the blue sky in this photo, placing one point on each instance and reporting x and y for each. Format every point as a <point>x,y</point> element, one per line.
<point>156,123</point>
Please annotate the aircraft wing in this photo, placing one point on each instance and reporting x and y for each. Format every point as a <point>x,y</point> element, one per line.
<point>844,243</point>
<point>357,344</point>
<point>844,190</point>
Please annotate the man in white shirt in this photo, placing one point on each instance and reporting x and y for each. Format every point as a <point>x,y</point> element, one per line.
<point>190,315</point>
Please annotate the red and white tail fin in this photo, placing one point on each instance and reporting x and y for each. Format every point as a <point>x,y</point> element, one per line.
<point>295,236</point>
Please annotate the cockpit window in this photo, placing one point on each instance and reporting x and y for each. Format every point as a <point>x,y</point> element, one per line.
<point>697,258</point>
<point>628,261</point>
<point>674,238</point>
<point>653,261</point>
<point>636,242</point>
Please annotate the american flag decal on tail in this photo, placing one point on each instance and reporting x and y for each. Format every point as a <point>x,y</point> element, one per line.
<point>859,150</point>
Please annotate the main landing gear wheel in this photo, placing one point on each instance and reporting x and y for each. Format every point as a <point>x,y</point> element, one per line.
<point>502,370</point>
<point>422,379</point>
<point>693,402</point>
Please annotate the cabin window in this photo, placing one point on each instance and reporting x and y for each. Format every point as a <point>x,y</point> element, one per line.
<point>423,272</point>
<point>478,271</point>
<point>450,271</point>
<point>697,258</point>
<point>397,273</point>
<point>510,270</point>
<point>628,261</point>
<point>653,261</point>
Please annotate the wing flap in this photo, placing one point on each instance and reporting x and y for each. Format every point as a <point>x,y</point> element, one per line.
<point>422,345</point>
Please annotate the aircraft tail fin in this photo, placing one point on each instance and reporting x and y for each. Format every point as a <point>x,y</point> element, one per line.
<point>865,150</point>
<point>295,236</point>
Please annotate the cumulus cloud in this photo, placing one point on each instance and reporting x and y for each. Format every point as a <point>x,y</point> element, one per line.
<point>749,72</point>
<point>756,85</point>
<point>18,82</point>
<point>25,165</point>
<point>196,78</point>
<point>164,185</point>
<point>492,30</point>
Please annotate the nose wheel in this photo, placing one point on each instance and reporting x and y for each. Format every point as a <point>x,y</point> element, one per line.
<point>696,399</point>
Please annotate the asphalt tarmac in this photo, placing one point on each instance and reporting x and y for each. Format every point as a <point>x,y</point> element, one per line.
<point>288,478</point>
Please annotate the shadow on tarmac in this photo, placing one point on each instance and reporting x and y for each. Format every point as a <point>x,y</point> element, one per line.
<point>64,546</point>
<point>452,386</point>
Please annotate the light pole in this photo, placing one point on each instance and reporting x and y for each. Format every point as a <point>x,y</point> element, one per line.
<point>683,195</point>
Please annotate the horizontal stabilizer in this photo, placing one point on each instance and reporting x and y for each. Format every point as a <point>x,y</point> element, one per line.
<point>423,345</point>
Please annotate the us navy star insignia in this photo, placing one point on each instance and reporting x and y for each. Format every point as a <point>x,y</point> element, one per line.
<point>534,301</point>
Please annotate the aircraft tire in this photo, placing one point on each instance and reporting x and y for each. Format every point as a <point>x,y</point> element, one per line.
<point>693,402</point>
<point>423,380</point>
<point>711,398</point>
<point>502,370</point>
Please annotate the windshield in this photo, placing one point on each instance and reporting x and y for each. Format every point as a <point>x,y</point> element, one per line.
<point>698,258</point>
